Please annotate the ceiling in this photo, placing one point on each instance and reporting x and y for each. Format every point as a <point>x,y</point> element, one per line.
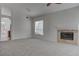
<point>38,9</point>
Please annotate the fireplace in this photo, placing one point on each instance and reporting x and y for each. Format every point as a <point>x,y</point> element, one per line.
<point>67,35</point>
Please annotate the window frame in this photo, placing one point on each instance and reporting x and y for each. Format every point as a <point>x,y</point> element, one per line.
<point>38,27</point>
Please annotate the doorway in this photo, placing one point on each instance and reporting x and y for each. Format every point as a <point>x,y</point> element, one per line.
<point>5,29</point>
<point>5,23</point>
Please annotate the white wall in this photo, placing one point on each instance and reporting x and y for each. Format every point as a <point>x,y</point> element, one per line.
<point>68,19</point>
<point>21,27</point>
<point>0,24</point>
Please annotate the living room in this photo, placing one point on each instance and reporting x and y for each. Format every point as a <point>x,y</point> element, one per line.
<point>39,29</point>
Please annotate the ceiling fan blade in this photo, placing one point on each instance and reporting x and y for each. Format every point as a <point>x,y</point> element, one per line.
<point>48,4</point>
<point>58,3</point>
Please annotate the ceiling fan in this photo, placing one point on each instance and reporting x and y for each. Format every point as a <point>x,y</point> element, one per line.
<point>48,4</point>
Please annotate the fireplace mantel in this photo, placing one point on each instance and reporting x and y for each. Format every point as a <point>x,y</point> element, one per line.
<point>74,30</point>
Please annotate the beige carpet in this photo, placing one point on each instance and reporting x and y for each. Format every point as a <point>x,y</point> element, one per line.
<point>36,47</point>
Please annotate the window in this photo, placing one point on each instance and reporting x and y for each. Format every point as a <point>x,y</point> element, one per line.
<point>39,27</point>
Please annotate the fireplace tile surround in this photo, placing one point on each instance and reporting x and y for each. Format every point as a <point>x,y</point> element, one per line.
<point>66,39</point>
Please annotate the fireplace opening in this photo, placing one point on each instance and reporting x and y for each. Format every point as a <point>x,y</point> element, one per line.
<point>67,35</point>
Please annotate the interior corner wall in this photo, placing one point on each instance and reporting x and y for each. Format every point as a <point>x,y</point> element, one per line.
<point>66,19</point>
<point>33,27</point>
<point>45,27</point>
<point>21,27</point>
